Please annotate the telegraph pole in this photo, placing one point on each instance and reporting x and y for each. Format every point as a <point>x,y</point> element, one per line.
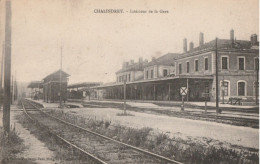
<point>188,90</point>
<point>222,89</point>
<point>12,89</point>
<point>125,96</point>
<point>15,88</point>
<point>2,74</point>
<point>257,81</point>
<point>217,110</point>
<point>60,73</point>
<point>2,64</point>
<point>7,68</point>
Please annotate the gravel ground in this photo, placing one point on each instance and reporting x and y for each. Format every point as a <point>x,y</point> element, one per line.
<point>179,127</point>
<point>36,150</point>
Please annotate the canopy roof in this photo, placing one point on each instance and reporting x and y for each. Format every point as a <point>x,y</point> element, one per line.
<point>84,84</point>
<point>35,84</point>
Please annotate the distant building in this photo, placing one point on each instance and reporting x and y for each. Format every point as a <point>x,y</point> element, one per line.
<point>131,71</point>
<point>160,67</point>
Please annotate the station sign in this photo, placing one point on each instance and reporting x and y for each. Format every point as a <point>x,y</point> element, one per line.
<point>183,91</point>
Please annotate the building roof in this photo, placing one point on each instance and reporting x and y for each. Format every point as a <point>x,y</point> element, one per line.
<point>209,77</point>
<point>222,44</point>
<point>57,73</point>
<point>133,67</point>
<point>84,84</point>
<point>35,84</point>
<point>166,60</point>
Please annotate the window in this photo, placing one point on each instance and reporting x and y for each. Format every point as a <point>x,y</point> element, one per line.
<point>196,65</point>
<point>129,77</point>
<point>147,73</point>
<point>224,87</point>
<point>224,62</point>
<point>206,64</point>
<point>241,88</point>
<point>119,78</point>
<point>165,72</point>
<point>241,63</point>
<point>256,63</point>
<point>152,73</point>
<point>188,67</point>
<point>179,68</point>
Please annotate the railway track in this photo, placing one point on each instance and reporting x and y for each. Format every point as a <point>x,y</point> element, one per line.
<point>99,148</point>
<point>203,116</point>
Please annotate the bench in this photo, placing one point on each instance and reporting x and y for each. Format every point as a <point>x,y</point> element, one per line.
<point>234,100</point>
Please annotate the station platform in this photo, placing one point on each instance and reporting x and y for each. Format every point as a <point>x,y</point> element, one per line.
<point>249,112</point>
<point>190,104</point>
<point>176,108</point>
<point>55,105</point>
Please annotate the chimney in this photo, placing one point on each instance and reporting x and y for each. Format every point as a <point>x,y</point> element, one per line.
<point>201,39</point>
<point>153,58</point>
<point>184,45</point>
<point>253,39</point>
<point>232,36</point>
<point>191,45</point>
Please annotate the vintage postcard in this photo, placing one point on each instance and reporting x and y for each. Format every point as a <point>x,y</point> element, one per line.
<point>133,81</point>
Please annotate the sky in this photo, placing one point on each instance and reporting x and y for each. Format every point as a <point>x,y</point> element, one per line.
<point>94,45</point>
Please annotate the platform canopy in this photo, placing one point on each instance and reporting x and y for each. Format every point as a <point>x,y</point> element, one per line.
<point>35,84</point>
<point>162,79</point>
<point>84,85</point>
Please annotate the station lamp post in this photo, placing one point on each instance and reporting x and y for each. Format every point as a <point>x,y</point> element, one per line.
<point>217,90</point>
<point>125,96</point>
<point>257,80</point>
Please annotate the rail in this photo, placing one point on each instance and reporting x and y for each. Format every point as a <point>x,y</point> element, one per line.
<point>64,140</point>
<point>105,137</point>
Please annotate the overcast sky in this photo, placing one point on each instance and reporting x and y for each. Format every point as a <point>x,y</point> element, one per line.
<point>95,45</point>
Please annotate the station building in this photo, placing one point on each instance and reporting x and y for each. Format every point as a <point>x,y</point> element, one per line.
<point>55,86</point>
<point>162,78</point>
<point>237,60</point>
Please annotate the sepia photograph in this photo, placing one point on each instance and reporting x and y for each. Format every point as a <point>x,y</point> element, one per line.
<point>133,81</point>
